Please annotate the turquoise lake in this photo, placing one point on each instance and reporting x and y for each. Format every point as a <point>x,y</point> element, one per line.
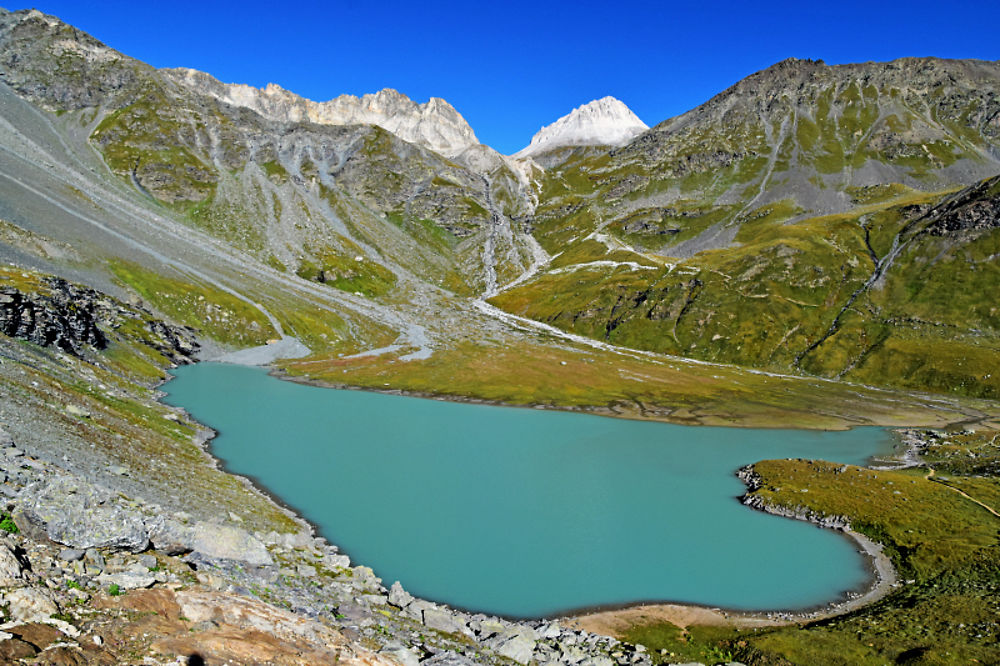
<point>524,512</point>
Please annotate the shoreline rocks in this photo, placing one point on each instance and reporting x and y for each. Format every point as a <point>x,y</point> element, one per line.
<point>89,539</point>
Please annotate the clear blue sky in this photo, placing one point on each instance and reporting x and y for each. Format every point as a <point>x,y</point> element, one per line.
<point>512,66</point>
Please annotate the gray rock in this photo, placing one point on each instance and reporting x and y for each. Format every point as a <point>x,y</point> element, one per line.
<point>71,554</point>
<point>355,613</point>
<point>169,536</point>
<point>599,660</point>
<point>76,410</point>
<point>398,596</point>
<point>298,540</point>
<point>446,621</point>
<point>81,515</point>
<point>11,566</point>
<point>550,630</point>
<point>518,647</point>
<point>228,543</point>
<point>400,653</point>
<point>148,561</point>
<point>127,580</point>
<point>94,557</point>
<point>211,540</point>
<point>448,659</point>
<point>415,609</point>
<point>336,561</point>
<point>491,627</point>
<point>30,604</point>
<point>572,654</point>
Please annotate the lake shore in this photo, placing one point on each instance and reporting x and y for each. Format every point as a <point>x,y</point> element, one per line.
<point>616,621</point>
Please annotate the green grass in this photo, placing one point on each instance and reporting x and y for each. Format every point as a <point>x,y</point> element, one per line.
<point>902,510</point>
<point>766,301</point>
<point>148,141</point>
<point>216,313</point>
<point>347,269</point>
<point>574,377</point>
<point>8,525</point>
<point>945,546</point>
<point>275,171</point>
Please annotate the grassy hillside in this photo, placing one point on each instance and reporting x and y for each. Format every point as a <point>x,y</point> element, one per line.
<point>943,543</point>
<point>893,293</point>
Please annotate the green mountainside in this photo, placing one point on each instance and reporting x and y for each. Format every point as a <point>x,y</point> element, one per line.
<point>808,220</point>
<point>800,221</point>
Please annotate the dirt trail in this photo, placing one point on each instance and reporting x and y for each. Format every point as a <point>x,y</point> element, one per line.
<point>930,477</point>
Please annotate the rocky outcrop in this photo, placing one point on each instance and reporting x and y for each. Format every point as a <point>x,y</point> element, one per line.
<point>65,318</point>
<point>64,315</point>
<point>74,513</point>
<point>60,67</point>
<point>435,124</point>
<point>975,208</point>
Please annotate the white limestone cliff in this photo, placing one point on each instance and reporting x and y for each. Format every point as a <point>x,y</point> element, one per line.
<point>435,124</point>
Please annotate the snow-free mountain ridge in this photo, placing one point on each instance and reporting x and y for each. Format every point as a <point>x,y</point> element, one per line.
<point>603,122</point>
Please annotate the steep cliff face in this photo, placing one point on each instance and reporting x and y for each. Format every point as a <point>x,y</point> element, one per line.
<point>50,311</point>
<point>435,124</point>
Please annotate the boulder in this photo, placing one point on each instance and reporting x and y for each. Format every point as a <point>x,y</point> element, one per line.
<point>518,648</point>
<point>80,515</point>
<point>398,596</point>
<point>71,554</point>
<point>336,561</point>
<point>169,536</point>
<point>516,642</point>
<point>446,621</point>
<point>30,604</point>
<point>210,540</point>
<point>491,627</point>
<point>127,580</point>
<point>228,543</point>
<point>400,653</point>
<point>11,567</point>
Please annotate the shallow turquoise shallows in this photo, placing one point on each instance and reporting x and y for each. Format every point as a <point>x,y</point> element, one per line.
<point>524,512</point>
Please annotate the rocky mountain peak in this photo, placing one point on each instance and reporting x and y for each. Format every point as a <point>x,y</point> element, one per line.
<point>602,122</point>
<point>435,124</point>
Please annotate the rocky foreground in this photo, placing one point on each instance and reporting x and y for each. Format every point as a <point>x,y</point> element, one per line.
<point>89,575</point>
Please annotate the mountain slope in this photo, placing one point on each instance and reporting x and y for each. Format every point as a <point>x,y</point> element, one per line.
<point>892,294</point>
<point>306,198</point>
<point>737,231</point>
<point>816,136</point>
<point>603,122</point>
<point>710,235</point>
